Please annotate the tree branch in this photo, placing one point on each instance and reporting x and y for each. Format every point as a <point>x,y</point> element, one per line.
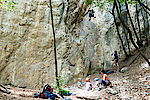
<point>143,5</point>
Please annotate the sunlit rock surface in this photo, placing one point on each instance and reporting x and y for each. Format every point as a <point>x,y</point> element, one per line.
<point>26,42</point>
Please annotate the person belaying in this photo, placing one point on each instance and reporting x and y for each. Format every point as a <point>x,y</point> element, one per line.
<point>104,82</point>
<point>91,14</point>
<point>88,84</point>
<point>116,59</point>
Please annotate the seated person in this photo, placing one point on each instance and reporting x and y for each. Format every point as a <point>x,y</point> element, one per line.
<point>97,83</point>
<point>105,82</point>
<point>88,84</point>
<point>79,83</point>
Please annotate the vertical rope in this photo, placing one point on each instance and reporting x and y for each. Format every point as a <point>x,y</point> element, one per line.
<point>56,72</point>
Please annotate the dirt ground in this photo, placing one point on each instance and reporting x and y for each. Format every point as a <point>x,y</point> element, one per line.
<point>133,84</point>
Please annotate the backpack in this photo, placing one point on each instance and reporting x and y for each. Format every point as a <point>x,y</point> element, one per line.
<point>52,96</point>
<point>47,95</point>
<point>42,95</point>
<point>47,88</point>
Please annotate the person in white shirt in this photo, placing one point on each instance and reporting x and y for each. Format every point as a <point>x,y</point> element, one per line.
<point>79,83</point>
<point>88,84</point>
<point>97,83</point>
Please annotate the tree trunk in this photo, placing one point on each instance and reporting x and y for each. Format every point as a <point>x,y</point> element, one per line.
<point>125,32</point>
<point>128,44</point>
<point>146,28</point>
<point>130,34</point>
<point>56,73</point>
<point>138,41</point>
<point>146,7</point>
<point>119,33</point>
<point>138,21</point>
<point>146,11</point>
<point>119,6</point>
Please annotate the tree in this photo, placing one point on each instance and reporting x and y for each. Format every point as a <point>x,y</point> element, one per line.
<point>130,33</point>
<point>117,4</point>
<point>117,28</point>
<point>7,4</point>
<point>138,40</point>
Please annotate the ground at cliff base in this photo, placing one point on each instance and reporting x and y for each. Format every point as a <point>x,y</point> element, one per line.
<point>126,86</point>
<point>133,84</point>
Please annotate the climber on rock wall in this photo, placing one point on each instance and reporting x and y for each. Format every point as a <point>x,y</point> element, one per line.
<point>91,14</point>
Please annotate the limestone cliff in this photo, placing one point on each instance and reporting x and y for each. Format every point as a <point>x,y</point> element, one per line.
<point>26,47</point>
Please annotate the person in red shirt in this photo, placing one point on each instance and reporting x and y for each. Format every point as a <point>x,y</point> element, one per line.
<point>105,82</point>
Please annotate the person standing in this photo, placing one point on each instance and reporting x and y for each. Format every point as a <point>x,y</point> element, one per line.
<point>116,59</point>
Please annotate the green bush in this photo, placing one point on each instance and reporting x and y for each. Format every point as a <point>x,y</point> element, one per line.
<point>89,2</point>
<point>7,4</point>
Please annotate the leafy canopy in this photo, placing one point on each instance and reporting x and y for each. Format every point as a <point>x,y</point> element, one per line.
<point>105,4</point>
<point>88,2</point>
<point>7,4</point>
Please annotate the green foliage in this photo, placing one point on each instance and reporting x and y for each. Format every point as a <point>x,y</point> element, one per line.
<point>132,2</point>
<point>89,2</point>
<point>106,4</point>
<point>7,4</point>
<point>61,84</point>
<point>61,81</point>
<point>122,1</point>
<point>63,92</point>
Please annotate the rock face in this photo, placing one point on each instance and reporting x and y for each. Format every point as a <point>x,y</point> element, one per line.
<point>26,47</point>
